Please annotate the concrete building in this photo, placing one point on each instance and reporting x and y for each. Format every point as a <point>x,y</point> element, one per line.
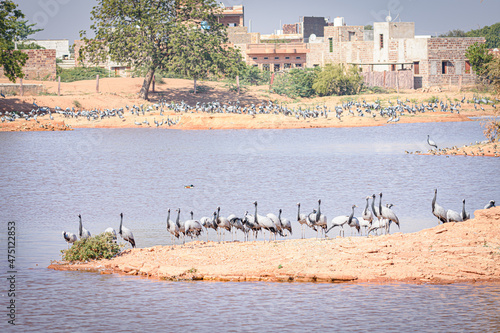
<point>60,45</point>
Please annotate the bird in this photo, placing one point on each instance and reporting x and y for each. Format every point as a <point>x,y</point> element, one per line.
<point>375,209</point>
<point>339,221</point>
<point>192,227</point>
<point>189,186</point>
<point>387,213</point>
<point>301,218</point>
<point>206,223</point>
<point>437,210</point>
<point>83,233</point>
<point>353,222</point>
<point>1,94</point>
<point>465,215</point>
<point>265,222</point>
<point>453,216</point>
<point>126,233</point>
<point>111,231</point>
<point>222,223</point>
<point>172,228</point>
<point>490,204</point>
<point>285,223</point>
<point>277,223</point>
<point>180,225</point>
<point>431,142</point>
<point>69,237</point>
<point>316,220</point>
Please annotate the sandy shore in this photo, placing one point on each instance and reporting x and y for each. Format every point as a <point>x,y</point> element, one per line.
<point>118,92</point>
<point>490,149</point>
<point>447,253</point>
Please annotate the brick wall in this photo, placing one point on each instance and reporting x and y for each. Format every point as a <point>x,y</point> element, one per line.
<point>290,29</point>
<point>452,51</point>
<point>41,64</point>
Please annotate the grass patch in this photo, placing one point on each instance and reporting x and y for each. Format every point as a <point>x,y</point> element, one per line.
<point>97,247</point>
<point>81,73</point>
<point>77,104</point>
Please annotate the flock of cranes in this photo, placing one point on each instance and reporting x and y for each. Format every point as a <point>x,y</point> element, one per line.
<point>374,218</point>
<point>392,111</point>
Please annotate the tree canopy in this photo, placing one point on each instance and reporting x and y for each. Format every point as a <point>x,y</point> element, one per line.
<point>490,33</point>
<point>479,57</point>
<point>11,60</point>
<point>156,34</point>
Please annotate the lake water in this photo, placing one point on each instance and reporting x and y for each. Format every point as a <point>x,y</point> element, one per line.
<point>48,178</point>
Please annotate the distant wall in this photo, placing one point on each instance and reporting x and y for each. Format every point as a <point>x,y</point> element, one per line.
<point>401,79</point>
<point>60,45</point>
<point>41,65</point>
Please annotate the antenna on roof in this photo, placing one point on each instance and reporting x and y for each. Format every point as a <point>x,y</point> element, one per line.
<point>388,17</point>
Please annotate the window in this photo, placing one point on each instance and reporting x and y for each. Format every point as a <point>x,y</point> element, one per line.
<point>393,67</point>
<point>254,58</point>
<point>287,58</point>
<point>276,58</point>
<point>316,65</point>
<point>276,67</point>
<point>255,65</point>
<point>381,41</point>
<point>444,67</point>
<point>298,58</point>
<point>265,67</point>
<point>298,65</point>
<point>287,66</point>
<point>351,35</point>
<point>265,58</point>
<point>416,68</point>
<point>467,67</point>
<point>330,41</point>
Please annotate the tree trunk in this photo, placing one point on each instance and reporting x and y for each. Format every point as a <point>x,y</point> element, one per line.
<point>144,93</point>
<point>195,86</point>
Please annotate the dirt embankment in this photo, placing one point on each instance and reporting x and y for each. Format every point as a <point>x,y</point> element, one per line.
<point>448,253</point>
<point>118,92</point>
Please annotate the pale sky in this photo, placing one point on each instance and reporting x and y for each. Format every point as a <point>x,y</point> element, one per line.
<point>63,19</point>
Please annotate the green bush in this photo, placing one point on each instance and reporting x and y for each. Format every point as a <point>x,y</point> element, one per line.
<point>336,79</point>
<point>251,75</point>
<point>296,83</point>
<point>81,73</point>
<point>101,246</point>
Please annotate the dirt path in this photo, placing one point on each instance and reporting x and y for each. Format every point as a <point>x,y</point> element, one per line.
<point>448,253</point>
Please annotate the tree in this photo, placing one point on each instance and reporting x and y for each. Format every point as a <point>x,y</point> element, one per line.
<point>11,60</point>
<point>197,43</point>
<point>24,30</point>
<point>133,32</point>
<point>479,57</point>
<point>490,33</point>
<point>336,79</point>
<point>141,33</point>
<point>454,33</point>
<point>493,68</point>
<point>368,27</point>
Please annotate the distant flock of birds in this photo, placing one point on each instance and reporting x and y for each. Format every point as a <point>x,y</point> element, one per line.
<point>393,111</point>
<point>378,218</point>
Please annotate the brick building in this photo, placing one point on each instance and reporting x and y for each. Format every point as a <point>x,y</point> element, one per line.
<point>233,16</point>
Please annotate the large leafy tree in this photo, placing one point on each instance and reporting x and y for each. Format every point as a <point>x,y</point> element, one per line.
<point>491,33</point>
<point>155,34</point>
<point>198,43</point>
<point>11,60</point>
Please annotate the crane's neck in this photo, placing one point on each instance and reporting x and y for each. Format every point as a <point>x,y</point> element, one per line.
<point>177,221</point>
<point>380,205</point>
<point>168,216</point>
<point>366,208</point>
<point>279,216</point>
<point>192,216</point>
<point>298,213</point>
<point>373,206</point>
<point>121,222</point>
<point>350,216</point>
<point>255,216</point>
<point>463,211</point>
<point>434,200</point>
<point>80,226</point>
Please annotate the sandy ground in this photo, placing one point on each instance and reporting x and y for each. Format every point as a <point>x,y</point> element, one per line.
<point>448,253</point>
<point>118,92</point>
<point>490,149</point>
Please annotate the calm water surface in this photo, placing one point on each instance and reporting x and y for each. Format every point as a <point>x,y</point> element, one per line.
<point>48,178</point>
